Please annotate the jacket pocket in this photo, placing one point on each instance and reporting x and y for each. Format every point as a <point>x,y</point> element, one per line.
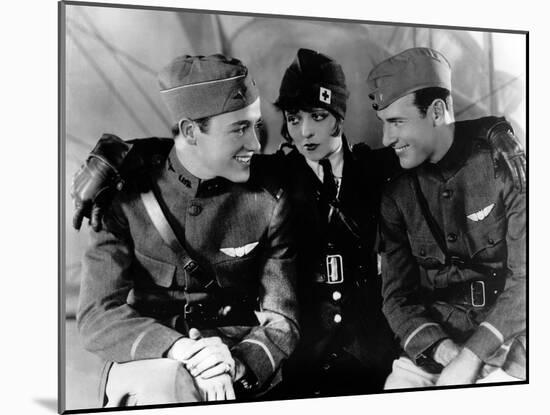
<point>426,251</point>
<point>241,273</point>
<point>487,241</point>
<point>160,272</point>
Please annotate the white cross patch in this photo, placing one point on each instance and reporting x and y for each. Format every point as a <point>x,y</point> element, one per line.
<point>325,95</point>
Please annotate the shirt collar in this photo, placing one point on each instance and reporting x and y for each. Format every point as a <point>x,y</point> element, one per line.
<point>336,162</point>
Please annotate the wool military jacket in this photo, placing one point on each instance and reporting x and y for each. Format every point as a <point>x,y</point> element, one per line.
<point>482,218</point>
<point>135,291</point>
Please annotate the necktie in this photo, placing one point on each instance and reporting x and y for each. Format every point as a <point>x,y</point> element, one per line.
<point>329,184</point>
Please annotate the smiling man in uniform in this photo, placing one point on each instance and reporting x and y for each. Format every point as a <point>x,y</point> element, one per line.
<point>188,290</point>
<point>452,232</point>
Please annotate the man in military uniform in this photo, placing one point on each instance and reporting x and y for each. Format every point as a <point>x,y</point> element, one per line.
<point>452,232</point>
<point>188,287</point>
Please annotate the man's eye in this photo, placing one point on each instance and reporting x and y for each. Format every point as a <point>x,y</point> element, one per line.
<point>292,120</point>
<point>240,131</point>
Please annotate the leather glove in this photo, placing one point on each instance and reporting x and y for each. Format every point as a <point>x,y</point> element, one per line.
<point>508,155</point>
<point>94,184</point>
<point>110,163</point>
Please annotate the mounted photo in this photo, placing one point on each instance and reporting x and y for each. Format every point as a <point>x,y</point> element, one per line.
<point>271,207</point>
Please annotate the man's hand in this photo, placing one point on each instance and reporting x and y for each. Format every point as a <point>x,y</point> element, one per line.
<point>463,369</point>
<point>217,388</point>
<point>206,357</point>
<point>445,352</point>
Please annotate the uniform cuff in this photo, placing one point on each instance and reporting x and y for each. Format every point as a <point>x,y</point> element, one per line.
<point>485,341</point>
<point>257,357</point>
<point>153,343</point>
<point>422,338</point>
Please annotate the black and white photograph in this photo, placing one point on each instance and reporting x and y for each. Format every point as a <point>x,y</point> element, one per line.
<point>266,207</point>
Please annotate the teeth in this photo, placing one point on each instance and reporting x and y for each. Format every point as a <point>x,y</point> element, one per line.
<point>243,159</point>
<point>401,149</point>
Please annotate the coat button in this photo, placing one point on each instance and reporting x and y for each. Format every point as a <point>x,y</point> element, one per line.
<point>326,367</point>
<point>422,252</point>
<point>447,193</point>
<point>337,318</point>
<point>336,295</point>
<point>194,210</point>
<point>491,241</point>
<point>452,237</point>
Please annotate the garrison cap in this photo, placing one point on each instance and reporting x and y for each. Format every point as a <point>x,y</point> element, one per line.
<point>313,80</point>
<point>406,72</point>
<point>203,86</point>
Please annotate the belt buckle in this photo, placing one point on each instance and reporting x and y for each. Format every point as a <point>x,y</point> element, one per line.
<point>335,269</point>
<point>474,293</point>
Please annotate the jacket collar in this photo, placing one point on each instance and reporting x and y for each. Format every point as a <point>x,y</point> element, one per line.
<point>181,178</point>
<point>455,157</point>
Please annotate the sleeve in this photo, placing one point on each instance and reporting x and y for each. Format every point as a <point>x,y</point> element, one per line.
<point>273,340</point>
<point>507,318</point>
<point>403,305</point>
<point>110,327</point>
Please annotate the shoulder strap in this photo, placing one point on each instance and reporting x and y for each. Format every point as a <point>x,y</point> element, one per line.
<point>432,224</point>
<point>155,212</point>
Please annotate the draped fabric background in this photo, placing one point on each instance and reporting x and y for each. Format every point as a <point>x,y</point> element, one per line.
<point>113,55</point>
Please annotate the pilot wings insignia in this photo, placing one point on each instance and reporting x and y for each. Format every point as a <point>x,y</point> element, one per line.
<point>482,214</point>
<point>239,251</point>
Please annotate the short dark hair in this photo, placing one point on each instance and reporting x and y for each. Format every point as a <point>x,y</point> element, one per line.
<point>423,98</point>
<point>203,123</point>
<point>336,131</point>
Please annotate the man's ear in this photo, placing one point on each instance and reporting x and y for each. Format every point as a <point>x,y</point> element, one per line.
<point>187,131</point>
<point>438,110</point>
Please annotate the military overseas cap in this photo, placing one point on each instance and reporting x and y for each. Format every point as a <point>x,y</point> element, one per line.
<point>409,71</point>
<point>313,80</point>
<point>195,87</point>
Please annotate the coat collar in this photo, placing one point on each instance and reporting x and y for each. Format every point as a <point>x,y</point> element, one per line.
<point>181,178</point>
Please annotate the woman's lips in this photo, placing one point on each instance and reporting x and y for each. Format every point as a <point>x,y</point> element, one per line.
<point>311,147</point>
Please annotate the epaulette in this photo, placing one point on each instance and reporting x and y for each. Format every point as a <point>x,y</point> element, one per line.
<point>483,128</point>
<point>267,171</point>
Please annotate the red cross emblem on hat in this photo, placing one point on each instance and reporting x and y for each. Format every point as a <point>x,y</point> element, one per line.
<point>325,95</point>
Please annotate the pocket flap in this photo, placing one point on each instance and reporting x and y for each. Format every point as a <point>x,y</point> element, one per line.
<point>426,249</point>
<point>162,273</point>
<point>486,237</point>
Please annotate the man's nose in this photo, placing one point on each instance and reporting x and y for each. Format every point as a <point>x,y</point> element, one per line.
<point>388,137</point>
<point>253,142</point>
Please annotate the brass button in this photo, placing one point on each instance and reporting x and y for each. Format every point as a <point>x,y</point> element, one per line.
<point>447,193</point>
<point>336,295</point>
<point>452,237</point>
<point>422,252</point>
<point>194,210</point>
<point>337,318</point>
<point>491,241</point>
